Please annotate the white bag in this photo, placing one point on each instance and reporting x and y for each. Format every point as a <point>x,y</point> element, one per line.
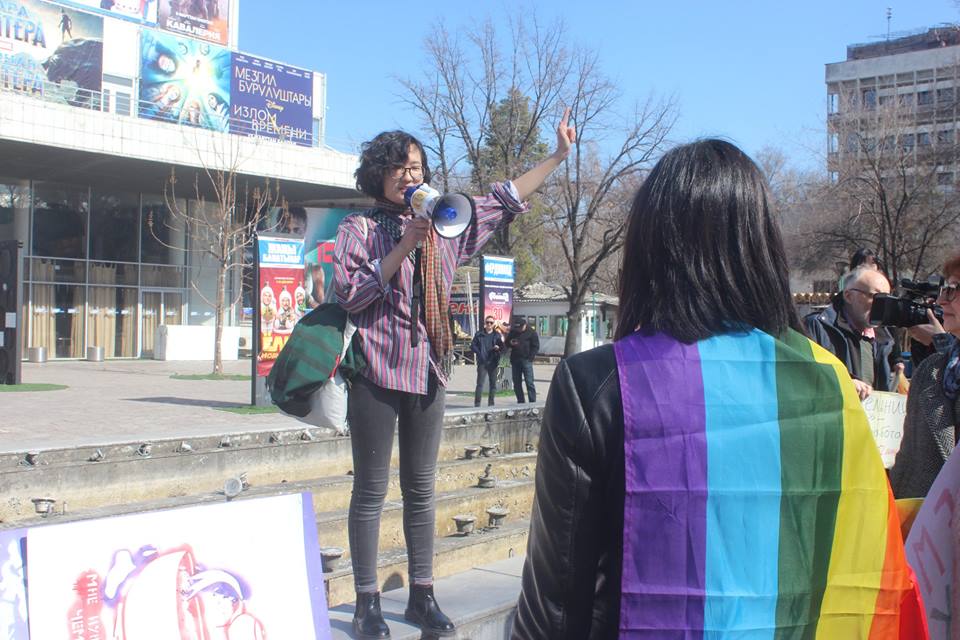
<point>328,404</point>
<point>328,407</point>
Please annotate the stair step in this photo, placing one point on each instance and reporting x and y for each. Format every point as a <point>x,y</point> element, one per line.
<point>119,473</point>
<point>481,601</point>
<point>330,494</point>
<point>452,554</point>
<point>515,495</point>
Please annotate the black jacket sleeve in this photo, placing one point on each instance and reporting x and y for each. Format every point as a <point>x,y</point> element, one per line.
<point>475,345</point>
<point>571,577</point>
<point>534,344</point>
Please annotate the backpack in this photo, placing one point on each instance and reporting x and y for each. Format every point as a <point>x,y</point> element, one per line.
<point>309,379</point>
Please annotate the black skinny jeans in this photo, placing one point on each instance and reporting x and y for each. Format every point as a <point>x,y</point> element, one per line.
<point>373,413</point>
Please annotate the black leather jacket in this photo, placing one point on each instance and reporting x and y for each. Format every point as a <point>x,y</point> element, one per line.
<point>571,577</point>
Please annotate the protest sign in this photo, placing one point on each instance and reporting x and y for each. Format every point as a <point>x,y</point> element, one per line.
<point>13,585</point>
<point>248,568</point>
<point>931,550</point>
<point>886,412</point>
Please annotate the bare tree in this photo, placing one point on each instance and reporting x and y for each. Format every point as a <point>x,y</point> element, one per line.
<point>798,202</point>
<point>220,222</point>
<point>493,100</point>
<point>894,171</point>
<point>484,102</point>
<point>589,199</point>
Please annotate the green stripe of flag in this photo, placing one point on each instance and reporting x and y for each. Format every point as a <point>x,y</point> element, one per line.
<point>811,426</point>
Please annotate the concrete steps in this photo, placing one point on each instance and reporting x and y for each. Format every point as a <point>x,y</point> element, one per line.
<point>332,493</point>
<point>133,472</point>
<point>452,555</point>
<point>130,477</point>
<point>515,495</point>
<point>481,601</point>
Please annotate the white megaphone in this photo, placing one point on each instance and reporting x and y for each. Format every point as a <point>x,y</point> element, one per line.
<point>450,213</point>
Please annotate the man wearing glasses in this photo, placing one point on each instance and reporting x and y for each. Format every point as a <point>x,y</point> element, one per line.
<point>843,328</point>
<point>487,346</point>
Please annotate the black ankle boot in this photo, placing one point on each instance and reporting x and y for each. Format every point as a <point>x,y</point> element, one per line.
<point>422,609</point>
<point>367,618</point>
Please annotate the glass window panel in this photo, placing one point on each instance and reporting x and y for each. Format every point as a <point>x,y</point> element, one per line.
<point>123,103</point>
<point>49,270</point>
<point>56,319</point>
<point>150,320</point>
<point>162,237</point>
<point>14,209</point>
<point>60,220</point>
<point>172,307</point>
<point>114,222</point>
<point>156,276</point>
<point>113,273</point>
<point>111,321</point>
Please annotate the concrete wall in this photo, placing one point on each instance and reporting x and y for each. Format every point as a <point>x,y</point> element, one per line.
<point>899,63</point>
<point>26,119</point>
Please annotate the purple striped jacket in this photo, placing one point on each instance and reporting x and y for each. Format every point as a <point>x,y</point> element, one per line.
<point>381,310</point>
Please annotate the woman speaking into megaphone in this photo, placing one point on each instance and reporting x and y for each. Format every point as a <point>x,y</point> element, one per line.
<point>405,345</point>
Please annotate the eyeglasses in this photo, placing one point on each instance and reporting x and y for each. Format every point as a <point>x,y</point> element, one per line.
<point>415,172</point>
<point>488,322</point>
<point>869,294</point>
<point>949,291</point>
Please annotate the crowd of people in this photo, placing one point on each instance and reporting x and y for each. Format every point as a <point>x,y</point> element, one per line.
<point>632,531</point>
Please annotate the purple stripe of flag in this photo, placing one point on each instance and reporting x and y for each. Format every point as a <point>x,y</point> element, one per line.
<point>664,519</point>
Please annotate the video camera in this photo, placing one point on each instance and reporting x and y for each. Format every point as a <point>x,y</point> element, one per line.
<point>908,310</point>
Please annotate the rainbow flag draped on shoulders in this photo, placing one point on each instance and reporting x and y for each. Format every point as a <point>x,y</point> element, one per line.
<point>756,504</point>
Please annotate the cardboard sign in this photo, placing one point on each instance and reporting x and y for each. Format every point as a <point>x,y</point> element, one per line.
<point>13,585</point>
<point>244,569</point>
<point>886,412</point>
<point>931,550</point>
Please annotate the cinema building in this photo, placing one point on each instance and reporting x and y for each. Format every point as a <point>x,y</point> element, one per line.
<point>97,108</point>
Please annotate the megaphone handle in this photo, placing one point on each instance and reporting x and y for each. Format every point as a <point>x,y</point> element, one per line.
<point>417,298</point>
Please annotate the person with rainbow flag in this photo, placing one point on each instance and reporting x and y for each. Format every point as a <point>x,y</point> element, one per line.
<point>711,474</point>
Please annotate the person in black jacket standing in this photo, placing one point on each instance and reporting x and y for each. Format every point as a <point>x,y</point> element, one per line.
<point>487,346</point>
<point>524,345</point>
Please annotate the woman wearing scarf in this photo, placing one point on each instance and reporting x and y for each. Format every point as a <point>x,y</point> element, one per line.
<point>711,473</point>
<point>930,427</point>
<point>404,381</point>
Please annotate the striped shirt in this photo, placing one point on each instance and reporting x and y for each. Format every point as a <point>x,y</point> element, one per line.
<point>381,310</point>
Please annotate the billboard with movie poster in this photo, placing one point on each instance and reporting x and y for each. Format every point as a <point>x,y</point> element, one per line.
<point>204,19</point>
<point>496,289</point>
<point>51,51</point>
<point>271,100</point>
<point>184,81</point>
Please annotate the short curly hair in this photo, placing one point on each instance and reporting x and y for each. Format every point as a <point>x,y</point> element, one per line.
<point>386,152</point>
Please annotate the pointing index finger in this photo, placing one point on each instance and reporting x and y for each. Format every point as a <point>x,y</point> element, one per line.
<point>565,118</point>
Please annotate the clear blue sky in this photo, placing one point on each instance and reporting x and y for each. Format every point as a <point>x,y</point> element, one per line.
<point>750,71</point>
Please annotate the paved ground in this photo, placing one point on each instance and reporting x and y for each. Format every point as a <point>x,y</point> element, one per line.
<point>124,400</point>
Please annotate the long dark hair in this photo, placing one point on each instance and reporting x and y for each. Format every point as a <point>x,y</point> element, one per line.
<point>703,254</point>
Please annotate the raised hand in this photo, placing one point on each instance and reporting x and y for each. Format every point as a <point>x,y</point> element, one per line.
<point>566,135</point>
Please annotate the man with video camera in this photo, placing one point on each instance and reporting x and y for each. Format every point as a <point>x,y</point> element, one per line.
<point>844,329</point>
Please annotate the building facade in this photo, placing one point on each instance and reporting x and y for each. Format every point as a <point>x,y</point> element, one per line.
<point>108,118</point>
<point>545,307</point>
<point>914,78</point>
